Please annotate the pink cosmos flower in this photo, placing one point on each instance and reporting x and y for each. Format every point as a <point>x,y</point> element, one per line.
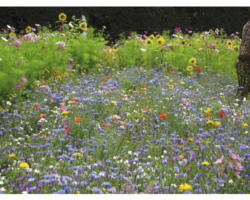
<point>177,29</point>
<point>238,166</point>
<point>115,117</point>
<point>220,160</point>
<point>234,156</point>
<point>145,110</point>
<point>19,85</point>
<point>61,44</point>
<point>23,79</point>
<point>63,107</point>
<point>185,101</point>
<point>70,59</point>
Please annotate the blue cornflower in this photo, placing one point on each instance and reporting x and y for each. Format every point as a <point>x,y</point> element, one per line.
<point>106,184</point>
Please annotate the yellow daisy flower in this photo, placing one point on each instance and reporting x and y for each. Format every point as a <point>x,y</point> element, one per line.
<point>192,61</point>
<point>12,155</point>
<point>24,165</point>
<point>185,187</point>
<point>229,43</point>
<point>170,87</point>
<point>77,154</point>
<point>208,111</point>
<point>205,163</point>
<point>62,17</point>
<point>190,68</point>
<point>65,112</point>
<point>244,124</point>
<point>210,122</point>
<point>83,26</point>
<point>28,29</point>
<point>148,41</point>
<point>160,41</point>
<point>151,37</point>
<point>217,123</point>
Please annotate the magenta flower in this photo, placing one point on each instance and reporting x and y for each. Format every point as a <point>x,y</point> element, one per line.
<point>19,85</point>
<point>69,66</point>
<point>23,79</point>
<point>177,29</point>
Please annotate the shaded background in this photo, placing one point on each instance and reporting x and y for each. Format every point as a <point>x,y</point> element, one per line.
<point>126,19</point>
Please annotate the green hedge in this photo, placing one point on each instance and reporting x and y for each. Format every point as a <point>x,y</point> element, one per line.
<point>127,19</point>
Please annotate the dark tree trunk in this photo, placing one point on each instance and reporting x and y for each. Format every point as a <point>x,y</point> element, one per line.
<point>243,64</point>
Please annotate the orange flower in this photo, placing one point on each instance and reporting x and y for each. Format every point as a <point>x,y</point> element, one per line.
<point>172,69</point>
<point>67,129</point>
<point>180,156</point>
<point>36,106</point>
<point>104,125</point>
<point>107,76</point>
<point>163,115</point>
<point>78,119</point>
<point>74,100</point>
<point>41,116</point>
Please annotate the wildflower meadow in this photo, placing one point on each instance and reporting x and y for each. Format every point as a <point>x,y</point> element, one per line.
<point>153,113</point>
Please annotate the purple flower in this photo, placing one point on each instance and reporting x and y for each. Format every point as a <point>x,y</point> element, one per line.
<point>217,31</point>
<point>19,85</point>
<point>97,190</point>
<point>5,31</point>
<point>69,66</point>
<point>61,44</point>
<point>112,190</point>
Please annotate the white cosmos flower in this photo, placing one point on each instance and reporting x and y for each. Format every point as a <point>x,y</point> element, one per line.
<point>4,39</point>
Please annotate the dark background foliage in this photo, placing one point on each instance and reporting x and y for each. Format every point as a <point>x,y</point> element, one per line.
<point>126,19</point>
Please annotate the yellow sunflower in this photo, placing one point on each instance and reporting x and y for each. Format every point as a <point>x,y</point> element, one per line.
<point>151,37</point>
<point>28,29</point>
<point>148,41</point>
<point>160,41</point>
<point>12,34</point>
<point>158,36</point>
<point>190,68</point>
<point>229,43</point>
<point>192,61</point>
<point>62,17</point>
<point>83,26</point>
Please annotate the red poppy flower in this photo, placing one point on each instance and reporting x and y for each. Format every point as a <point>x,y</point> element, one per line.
<point>222,114</point>
<point>198,69</point>
<point>163,115</point>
